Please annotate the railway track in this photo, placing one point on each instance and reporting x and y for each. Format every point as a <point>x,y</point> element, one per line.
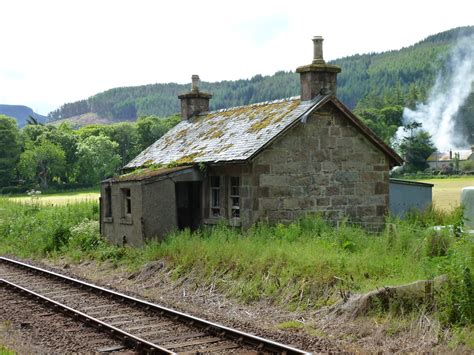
<point>145,326</point>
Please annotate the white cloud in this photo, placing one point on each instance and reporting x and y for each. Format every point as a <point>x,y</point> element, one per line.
<point>60,51</point>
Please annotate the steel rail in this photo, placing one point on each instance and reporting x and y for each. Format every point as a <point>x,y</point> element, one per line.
<point>127,338</point>
<point>261,344</point>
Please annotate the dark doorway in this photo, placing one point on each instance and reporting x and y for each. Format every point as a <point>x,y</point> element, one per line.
<point>188,202</point>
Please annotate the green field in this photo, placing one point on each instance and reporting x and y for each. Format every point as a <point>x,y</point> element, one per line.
<point>62,198</point>
<point>447,192</point>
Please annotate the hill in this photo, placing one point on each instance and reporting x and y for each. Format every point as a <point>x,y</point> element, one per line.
<point>84,119</point>
<point>20,113</point>
<point>372,76</point>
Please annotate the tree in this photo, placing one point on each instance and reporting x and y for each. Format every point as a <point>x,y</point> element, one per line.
<point>416,147</point>
<point>9,149</point>
<point>151,128</point>
<point>125,134</point>
<point>66,138</point>
<point>97,159</point>
<point>42,162</point>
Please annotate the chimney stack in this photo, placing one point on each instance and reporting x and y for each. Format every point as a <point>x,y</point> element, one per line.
<point>194,102</point>
<point>318,77</point>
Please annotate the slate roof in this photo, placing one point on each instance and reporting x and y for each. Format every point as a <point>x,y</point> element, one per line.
<point>233,134</point>
<point>464,154</point>
<point>239,133</point>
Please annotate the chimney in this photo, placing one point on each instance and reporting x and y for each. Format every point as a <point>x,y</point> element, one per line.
<point>318,77</point>
<point>194,102</point>
<point>450,154</point>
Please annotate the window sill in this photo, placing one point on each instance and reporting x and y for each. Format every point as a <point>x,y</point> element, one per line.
<point>108,220</point>
<point>126,220</point>
<point>233,222</point>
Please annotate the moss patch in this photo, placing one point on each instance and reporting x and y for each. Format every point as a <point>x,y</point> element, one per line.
<point>292,324</point>
<point>272,115</point>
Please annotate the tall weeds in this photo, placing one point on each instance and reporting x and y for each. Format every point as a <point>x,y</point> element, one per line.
<point>306,264</point>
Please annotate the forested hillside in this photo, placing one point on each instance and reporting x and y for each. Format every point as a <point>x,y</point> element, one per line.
<point>399,76</point>
<point>20,113</point>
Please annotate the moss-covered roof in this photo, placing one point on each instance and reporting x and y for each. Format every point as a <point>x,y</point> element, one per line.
<point>146,173</point>
<point>233,134</point>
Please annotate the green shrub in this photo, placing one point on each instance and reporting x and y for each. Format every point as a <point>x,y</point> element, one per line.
<point>437,243</point>
<point>85,236</point>
<point>36,231</point>
<point>456,300</point>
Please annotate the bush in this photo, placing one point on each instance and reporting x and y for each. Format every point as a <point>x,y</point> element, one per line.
<point>456,301</point>
<point>85,236</point>
<point>32,230</point>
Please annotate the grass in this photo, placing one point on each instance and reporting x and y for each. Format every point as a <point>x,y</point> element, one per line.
<point>307,264</point>
<point>6,351</point>
<point>35,230</point>
<point>59,198</point>
<point>447,192</point>
<point>291,324</point>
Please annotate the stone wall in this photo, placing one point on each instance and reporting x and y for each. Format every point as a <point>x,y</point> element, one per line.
<point>120,227</point>
<point>324,165</point>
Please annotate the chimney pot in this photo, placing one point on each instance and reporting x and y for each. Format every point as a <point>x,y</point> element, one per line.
<point>318,50</point>
<point>195,82</point>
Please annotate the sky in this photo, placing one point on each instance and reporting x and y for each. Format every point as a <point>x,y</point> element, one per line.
<point>54,52</point>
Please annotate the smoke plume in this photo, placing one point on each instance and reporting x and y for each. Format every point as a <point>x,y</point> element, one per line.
<point>452,87</point>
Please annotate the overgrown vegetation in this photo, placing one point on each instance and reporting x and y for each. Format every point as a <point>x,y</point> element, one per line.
<point>307,264</point>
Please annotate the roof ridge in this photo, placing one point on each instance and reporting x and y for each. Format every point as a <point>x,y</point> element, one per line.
<point>262,103</point>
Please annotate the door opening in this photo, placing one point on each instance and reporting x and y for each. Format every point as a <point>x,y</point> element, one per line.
<point>188,202</point>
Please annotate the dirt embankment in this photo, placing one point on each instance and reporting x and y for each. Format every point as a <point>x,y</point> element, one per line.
<point>343,327</point>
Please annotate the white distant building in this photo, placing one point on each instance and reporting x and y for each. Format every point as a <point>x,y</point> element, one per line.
<point>439,160</point>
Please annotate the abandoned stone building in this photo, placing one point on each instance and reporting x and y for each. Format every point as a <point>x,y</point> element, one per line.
<point>272,161</point>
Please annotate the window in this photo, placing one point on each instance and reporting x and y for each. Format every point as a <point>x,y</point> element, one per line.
<point>215,196</point>
<point>127,202</point>
<point>234,197</point>
<point>108,202</point>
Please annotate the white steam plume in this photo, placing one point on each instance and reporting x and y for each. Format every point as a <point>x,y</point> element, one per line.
<point>452,88</point>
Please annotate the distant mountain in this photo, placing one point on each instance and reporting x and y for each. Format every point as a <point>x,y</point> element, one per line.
<point>21,113</point>
<point>379,75</point>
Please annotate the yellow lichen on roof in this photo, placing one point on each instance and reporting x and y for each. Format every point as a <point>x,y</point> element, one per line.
<point>187,159</point>
<point>271,118</point>
<point>213,133</point>
<point>224,147</point>
<point>181,133</point>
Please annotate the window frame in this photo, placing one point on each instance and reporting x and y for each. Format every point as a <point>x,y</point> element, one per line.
<point>215,196</point>
<point>126,202</point>
<point>234,209</point>
<point>108,202</point>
